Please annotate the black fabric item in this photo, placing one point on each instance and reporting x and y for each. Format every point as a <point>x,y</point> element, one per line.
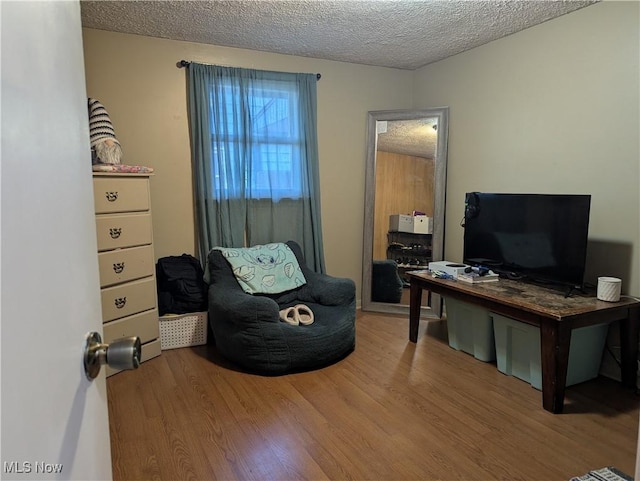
<point>181,288</point>
<point>386,284</point>
<point>248,330</point>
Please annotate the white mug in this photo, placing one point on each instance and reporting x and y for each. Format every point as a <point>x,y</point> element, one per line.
<point>609,289</point>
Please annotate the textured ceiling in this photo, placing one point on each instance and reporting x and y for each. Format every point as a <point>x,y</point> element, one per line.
<point>405,34</point>
<point>408,137</point>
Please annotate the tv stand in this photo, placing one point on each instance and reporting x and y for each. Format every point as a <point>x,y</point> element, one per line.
<point>514,276</point>
<point>567,289</point>
<point>555,315</point>
<point>569,292</point>
<point>580,289</point>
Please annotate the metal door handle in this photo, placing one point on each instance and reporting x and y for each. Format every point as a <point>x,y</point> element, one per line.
<point>123,353</point>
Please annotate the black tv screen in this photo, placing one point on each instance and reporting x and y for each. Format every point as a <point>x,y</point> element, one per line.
<point>536,237</point>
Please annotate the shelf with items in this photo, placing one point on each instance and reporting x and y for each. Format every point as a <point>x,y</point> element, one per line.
<point>410,251</point>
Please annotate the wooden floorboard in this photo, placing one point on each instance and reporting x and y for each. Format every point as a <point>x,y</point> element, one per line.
<point>391,410</point>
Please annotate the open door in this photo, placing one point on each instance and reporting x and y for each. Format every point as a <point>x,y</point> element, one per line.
<point>54,421</point>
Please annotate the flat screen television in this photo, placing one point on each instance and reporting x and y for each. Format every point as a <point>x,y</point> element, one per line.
<point>533,237</point>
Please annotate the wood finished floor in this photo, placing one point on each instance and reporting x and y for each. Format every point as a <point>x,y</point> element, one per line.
<point>391,410</point>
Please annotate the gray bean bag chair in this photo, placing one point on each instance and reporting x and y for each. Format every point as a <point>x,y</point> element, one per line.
<point>248,331</point>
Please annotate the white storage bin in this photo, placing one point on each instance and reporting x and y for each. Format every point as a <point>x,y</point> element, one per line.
<point>401,223</point>
<point>470,329</point>
<point>183,330</point>
<point>518,351</point>
<point>422,224</point>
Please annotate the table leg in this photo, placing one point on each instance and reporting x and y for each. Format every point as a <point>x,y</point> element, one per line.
<point>415,298</point>
<point>555,338</point>
<point>629,348</point>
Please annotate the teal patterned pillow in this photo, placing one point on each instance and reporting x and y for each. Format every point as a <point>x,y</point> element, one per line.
<point>265,269</point>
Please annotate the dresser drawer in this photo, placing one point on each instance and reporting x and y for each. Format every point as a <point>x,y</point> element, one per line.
<point>122,265</point>
<point>117,231</point>
<point>118,194</point>
<point>127,299</point>
<point>149,351</point>
<point>145,325</point>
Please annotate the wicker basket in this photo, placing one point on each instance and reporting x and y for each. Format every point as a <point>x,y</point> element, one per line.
<point>183,330</point>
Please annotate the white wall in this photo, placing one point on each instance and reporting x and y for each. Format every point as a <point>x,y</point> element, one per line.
<point>554,108</point>
<point>51,413</point>
<point>136,78</point>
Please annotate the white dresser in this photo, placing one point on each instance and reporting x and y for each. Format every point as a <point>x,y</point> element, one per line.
<point>126,259</point>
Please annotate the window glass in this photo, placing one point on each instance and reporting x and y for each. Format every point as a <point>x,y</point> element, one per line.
<point>259,141</point>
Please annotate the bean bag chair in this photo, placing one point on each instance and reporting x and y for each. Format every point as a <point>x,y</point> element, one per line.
<point>247,327</point>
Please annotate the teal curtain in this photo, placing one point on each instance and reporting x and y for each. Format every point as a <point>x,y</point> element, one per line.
<point>255,158</point>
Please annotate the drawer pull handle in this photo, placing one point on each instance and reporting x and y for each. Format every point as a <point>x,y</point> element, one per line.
<point>111,196</point>
<point>120,302</point>
<point>115,232</point>
<point>118,267</point>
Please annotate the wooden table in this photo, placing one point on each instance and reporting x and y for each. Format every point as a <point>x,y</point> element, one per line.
<point>548,309</point>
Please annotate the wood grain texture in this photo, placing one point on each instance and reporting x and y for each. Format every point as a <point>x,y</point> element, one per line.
<point>530,297</point>
<point>391,410</point>
<point>403,184</point>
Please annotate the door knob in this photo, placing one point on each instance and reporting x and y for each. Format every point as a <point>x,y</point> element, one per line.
<point>123,353</point>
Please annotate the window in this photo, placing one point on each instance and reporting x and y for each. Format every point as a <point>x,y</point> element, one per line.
<point>256,142</point>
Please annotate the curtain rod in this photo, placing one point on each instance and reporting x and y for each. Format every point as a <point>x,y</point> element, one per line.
<point>186,63</point>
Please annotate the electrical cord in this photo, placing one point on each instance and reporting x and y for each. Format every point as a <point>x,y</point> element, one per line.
<point>631,297</point>
<point>613,355</point>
